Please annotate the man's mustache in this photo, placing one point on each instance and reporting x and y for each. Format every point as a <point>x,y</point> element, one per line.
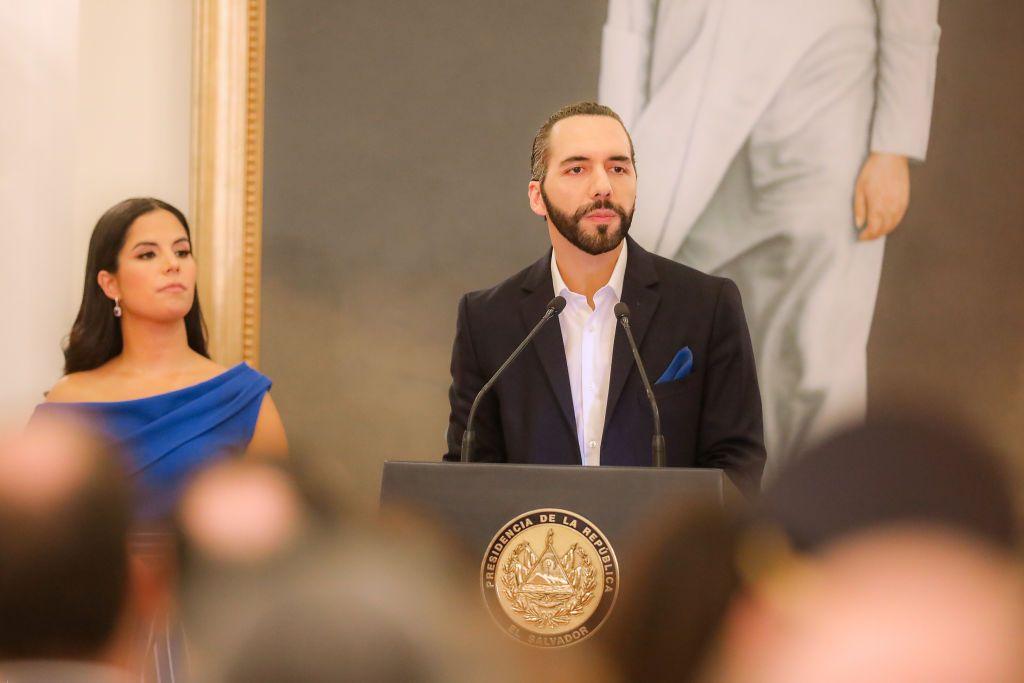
<point>600,204</point>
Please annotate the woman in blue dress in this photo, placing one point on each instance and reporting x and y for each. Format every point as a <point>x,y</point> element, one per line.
<point>136,359</point>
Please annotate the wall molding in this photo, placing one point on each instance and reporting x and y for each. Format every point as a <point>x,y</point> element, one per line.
<point>227,171</point>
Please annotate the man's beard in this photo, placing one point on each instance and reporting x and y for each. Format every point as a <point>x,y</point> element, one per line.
<point>603,240</point>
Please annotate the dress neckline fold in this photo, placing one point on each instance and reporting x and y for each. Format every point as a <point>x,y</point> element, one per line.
<point>230,372</point>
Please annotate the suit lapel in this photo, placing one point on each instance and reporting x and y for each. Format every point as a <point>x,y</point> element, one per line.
<point>641,295</point>
<point>548,343</point>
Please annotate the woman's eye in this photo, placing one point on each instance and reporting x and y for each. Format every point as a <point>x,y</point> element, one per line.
<point>146,255</point>
<point>184,253</point>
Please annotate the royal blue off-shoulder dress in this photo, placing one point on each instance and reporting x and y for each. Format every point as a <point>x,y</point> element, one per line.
<point>168,437</point>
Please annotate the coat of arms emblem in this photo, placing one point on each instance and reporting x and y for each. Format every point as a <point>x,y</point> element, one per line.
<point>548,590</point>
<point>550,578</point>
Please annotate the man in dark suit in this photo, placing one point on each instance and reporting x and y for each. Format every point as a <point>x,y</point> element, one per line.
<point>576,396</point>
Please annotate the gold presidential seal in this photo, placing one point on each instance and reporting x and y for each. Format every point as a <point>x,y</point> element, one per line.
<point>550,578</point>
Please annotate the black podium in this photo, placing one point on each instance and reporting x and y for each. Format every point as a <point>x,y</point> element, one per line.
<point>542,584</point>
<point>472,500</point>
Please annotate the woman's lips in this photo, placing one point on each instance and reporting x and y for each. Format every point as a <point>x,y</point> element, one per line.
<point>172,288</point>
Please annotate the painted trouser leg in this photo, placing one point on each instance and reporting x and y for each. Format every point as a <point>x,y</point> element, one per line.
<point>781,226</point>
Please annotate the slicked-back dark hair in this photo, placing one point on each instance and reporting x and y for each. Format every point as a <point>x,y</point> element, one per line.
<point>541,152</point>
<point>96,335</point>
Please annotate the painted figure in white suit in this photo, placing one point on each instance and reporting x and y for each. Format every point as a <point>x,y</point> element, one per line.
<point>774,138</point>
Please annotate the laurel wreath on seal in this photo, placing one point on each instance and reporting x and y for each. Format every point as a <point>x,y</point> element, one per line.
<point>575,564</point>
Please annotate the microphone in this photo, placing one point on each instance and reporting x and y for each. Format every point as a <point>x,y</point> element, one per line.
<point>658,441</point>
<point>553,308</point>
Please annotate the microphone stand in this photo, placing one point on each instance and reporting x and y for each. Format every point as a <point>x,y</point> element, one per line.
<point>658,440</point>
<point>554,307</point>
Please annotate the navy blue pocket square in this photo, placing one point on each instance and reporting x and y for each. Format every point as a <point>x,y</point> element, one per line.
<point>680,367</point>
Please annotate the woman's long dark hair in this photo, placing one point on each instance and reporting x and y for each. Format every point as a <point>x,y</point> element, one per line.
<point>96,335</point>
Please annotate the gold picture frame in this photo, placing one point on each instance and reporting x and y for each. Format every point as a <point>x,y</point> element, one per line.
<point>227,171</point>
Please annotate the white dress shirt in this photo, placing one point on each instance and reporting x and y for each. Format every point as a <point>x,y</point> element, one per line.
<point>588,336</point>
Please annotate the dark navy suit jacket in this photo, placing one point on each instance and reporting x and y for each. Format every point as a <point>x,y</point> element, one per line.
<point>710,418</point>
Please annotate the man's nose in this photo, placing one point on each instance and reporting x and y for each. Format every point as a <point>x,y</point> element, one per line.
<point>601,186</point>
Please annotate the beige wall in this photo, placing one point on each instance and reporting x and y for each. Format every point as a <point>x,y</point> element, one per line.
<point>96,108</point>
<point>38,45</point>
<point>133,110</point>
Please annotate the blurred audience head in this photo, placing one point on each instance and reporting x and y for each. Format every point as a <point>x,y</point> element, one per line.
<point>270,594</point>
<point>370,612</point>
<point>241,513</point>
<point>887,553</point>
<point>893,472</point>
<point>902,604</point>
<point>367,605</point>
<point>239,522</point>
<point>65,513</point>
<point>667,617</point>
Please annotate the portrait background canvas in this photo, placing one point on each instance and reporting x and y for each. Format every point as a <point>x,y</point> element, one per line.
<point>397,157</point>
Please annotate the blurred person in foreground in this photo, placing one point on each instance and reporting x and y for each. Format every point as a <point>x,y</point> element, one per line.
<point>929,484</point>
<point>136,360</point>
<point>236,521</point>
<point>667,618</point>
<point>241,513</point>
<point>367,609</point>
<point>270,594</point>
<point>897,470</point>
<point>71,597</point>
<point>905,566</point>
<point>901,604</point>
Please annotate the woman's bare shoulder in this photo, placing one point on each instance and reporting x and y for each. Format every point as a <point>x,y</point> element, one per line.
<point>206,368</point>
<point>107,383</point>
<point>75,387</point>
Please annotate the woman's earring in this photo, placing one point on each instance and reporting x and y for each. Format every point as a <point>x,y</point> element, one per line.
<point>117,307</point>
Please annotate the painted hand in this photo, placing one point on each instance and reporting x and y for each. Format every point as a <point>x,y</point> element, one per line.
<point>881,195</point>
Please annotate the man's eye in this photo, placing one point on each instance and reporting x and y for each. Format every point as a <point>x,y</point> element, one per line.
<point>619,169</point>
<point>575,170</point>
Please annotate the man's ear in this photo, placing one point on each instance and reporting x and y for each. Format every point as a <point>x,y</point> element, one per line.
<point>108,283</point>
<point>536,199</point>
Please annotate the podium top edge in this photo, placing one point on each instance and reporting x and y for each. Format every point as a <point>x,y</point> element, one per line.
<point>699,471</point>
